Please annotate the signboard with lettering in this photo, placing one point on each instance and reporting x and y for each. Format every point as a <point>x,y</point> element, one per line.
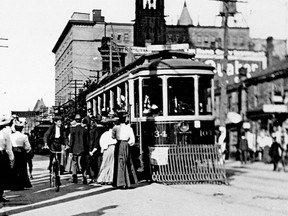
<point>250,60</point>
<point>275,108</point>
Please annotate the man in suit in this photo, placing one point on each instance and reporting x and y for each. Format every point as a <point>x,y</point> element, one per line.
<point>79,145</point>
<point>55,139</point>
<point>94,148</point>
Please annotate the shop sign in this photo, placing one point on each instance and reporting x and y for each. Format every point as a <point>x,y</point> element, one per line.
<point>275,108</point>
<point>250,60</point>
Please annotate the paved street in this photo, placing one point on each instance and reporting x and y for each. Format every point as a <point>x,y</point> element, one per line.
<point>254,189</point>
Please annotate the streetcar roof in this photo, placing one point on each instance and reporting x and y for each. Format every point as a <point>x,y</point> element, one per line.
<point>165,59</point>
<point>173,63</point>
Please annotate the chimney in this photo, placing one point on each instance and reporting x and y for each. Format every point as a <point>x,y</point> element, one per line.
<point>96,14</point>
<point>269,51</point>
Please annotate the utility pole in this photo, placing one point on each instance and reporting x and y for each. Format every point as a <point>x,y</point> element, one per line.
<point>229,9</point>
<point>223,96</point>
<point>110,56</point>
<point>75,96</point>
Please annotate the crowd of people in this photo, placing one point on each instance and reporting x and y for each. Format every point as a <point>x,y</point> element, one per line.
<point>15,154</point>
<point>97,148</point>
<point>267,147</point>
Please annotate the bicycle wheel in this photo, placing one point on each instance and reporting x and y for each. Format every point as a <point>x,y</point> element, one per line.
<point>52,176</point>
<point>57,176</point>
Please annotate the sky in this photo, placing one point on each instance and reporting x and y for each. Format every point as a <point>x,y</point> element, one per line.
<point>33,27</point>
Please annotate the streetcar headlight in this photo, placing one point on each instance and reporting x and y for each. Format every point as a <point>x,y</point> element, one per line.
<point>183,126</point>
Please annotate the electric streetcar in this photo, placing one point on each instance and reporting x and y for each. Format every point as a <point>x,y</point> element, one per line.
<point>170,100</point>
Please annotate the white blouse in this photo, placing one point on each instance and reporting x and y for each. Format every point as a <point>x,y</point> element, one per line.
<point>123,132</point>
<point>106,140</point>
<point>19,139</point>
<point>5,142</point>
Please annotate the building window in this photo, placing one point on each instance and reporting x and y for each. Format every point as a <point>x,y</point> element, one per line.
<point>235,42</point>
<point>241,41</point>
<point>219,42</point>
<point>206,40</point>
<point>119,37</point>
<point>126,37</point>
<point>199,39</point>
<point>213,43</point>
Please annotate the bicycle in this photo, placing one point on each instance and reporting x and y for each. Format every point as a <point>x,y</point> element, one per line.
<point>55,171</point>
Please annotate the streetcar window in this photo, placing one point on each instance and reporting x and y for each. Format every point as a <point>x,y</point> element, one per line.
<point>136,98</point>
<point>205,99</point>
<point>152,97</point>
<point>181,96</point>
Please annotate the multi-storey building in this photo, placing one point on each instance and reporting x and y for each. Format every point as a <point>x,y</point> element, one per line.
<point>75,54</point>
<point>77,58</point>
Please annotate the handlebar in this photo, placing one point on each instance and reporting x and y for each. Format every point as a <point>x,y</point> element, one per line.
<point>55,152</point>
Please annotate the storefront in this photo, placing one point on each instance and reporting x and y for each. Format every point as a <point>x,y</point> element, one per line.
<point>269,116</point>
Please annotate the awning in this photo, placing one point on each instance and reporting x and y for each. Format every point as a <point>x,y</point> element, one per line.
<point>268,110</point>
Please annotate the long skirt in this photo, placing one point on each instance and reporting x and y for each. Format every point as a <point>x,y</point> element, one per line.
<point>107,166</point>
<point>5,172</point>
<point>93,164</point>
<point>124,171</point>
<point>19,173</point>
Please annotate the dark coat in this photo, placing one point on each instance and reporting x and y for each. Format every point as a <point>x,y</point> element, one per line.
<point>49,136</point>
<point>243,144</point>
<point>95,134</point>
<point>79,140</point>
<point>274,151</point>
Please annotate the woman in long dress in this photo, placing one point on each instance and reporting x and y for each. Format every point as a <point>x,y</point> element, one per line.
<point>124,172</point>
<point>6,157</point>
<point>107,144</point>
<point>21,146</point>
